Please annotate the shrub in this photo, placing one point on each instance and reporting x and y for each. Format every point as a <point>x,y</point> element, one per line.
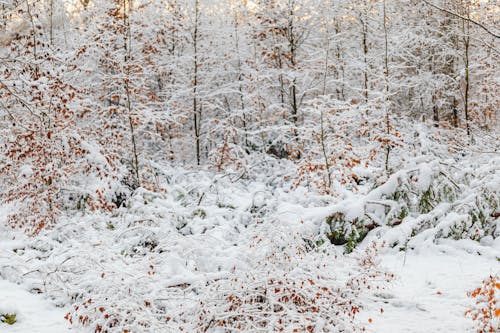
<point>8,318</point>
<point>486,309</point>
<point>293,297</point>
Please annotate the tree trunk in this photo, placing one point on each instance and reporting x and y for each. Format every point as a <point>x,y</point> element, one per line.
<point>196,109</point>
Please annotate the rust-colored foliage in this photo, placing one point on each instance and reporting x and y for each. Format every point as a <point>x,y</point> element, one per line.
<point>284,302</point>
<point>486,309</point>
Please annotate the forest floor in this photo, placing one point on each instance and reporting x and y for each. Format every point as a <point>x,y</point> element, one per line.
<point>427,295</point>
<point>214,233</point>
<point>34,314</point>
<point>429,291</point>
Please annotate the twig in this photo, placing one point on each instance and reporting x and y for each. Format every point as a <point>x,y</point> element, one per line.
<point>463,18</point>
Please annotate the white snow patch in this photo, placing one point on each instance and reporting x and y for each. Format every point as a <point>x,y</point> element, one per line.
<point>33,314</point>
<point>429,291</point>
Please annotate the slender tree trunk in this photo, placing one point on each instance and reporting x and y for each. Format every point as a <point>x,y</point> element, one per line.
<point>340,92</point>
<point>293,45</point>
<point>325,155</point>
<point>322,129</point>
<point>196,109</point>
<point>240,79</point>
<point>365,57</point>
<point>386,101</point>
<point>455,113</point>
<point>467,79</point>
<point>292,49</point>
<point>4,17</point>
<point>435,115</point>
<point>282,82</point>
<point>51,18</point>
<point>127,48</point>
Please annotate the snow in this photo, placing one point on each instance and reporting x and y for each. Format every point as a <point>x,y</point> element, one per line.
<point>94,157</point>
<point>33,313</point>
<point>25,172</point>
<point>429,292</point>
<point>223,165</point>
<point>186,250</point>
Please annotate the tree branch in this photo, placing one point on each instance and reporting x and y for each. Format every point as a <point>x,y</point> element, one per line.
<point>496,35</point>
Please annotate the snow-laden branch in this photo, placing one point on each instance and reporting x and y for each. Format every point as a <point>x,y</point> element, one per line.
<point>488,30</point>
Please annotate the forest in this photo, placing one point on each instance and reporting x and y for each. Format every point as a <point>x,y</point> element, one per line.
<point>249,166</point>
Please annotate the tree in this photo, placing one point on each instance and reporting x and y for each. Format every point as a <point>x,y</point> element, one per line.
<point>41,149</point>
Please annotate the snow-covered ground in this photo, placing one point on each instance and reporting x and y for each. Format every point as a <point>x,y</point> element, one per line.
<point>33,313</point>
<point>428,294</point>
<point>166,260</point>
<point>429,291</point>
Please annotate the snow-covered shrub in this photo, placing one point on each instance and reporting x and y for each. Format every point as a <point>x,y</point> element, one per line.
<point>277,304</point>
<point>451,206</point>
<point>485,312</point>
<point>116,303</point>
<point>427,199</point>
<point>290,291</point>
<point>8,318</point>
<point>144,275</point>
<point>228,155</point>
<point>342,231</point>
